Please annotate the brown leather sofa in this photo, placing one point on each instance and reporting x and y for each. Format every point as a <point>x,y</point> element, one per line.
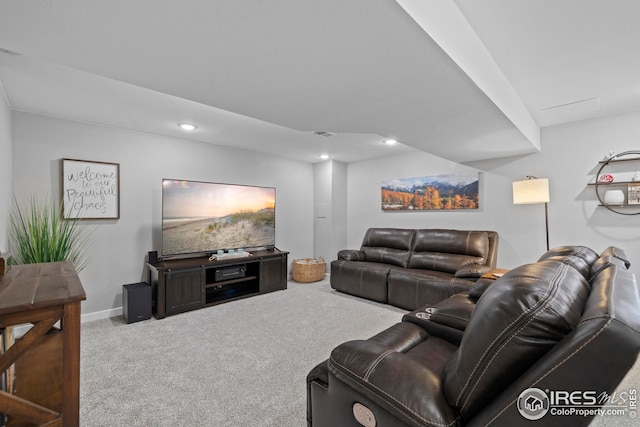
<point>542,345</point>
<point>411,268</point>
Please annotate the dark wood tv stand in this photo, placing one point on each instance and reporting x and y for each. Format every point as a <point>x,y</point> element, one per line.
<point>187,284</point>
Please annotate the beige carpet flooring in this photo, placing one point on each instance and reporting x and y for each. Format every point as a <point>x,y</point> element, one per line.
<point>238,364</point>
<point>242,363</point>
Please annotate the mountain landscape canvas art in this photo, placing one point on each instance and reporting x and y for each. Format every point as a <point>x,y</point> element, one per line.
<point>439,192</point>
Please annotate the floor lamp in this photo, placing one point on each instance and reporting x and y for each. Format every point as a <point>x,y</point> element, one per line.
<point>533,191</point>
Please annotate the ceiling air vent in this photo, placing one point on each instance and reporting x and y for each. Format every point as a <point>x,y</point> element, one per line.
<point>8,52</point>
<point>323,133</point>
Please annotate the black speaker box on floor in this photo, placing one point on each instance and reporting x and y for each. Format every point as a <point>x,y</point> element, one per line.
<point>136,302</point>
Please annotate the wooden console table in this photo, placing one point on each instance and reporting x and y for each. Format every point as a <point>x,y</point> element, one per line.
<point>43,294</point>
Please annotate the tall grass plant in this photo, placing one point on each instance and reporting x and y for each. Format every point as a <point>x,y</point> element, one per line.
<point>40,233</point>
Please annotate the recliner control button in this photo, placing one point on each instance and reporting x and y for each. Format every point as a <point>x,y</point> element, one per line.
<point>364,415</point>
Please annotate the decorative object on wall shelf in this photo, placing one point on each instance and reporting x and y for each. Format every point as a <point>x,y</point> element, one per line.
<point>614,178</point>
<point>605,178</point>
<point>633,194</point>
<point>90,190</point>
<point>614,197</point>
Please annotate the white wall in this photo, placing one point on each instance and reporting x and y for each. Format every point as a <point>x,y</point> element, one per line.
<point>322,209</point>
<point>5,168</point>
<point>364,204</point>
<point>330,217</point>
<point>119,246</point>
<point>339,206</point>
<point>569,158</point>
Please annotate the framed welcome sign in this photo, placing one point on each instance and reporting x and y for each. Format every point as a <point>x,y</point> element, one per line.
<point>90,190</point>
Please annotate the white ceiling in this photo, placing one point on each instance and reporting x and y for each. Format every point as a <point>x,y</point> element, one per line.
<point>463,79</point>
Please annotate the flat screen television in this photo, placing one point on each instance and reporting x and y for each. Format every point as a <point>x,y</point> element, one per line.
<point>204,217</point>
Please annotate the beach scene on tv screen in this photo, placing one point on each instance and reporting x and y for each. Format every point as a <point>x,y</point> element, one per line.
<point>205,217</point>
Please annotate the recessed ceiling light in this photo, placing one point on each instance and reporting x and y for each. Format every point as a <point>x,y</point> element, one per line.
<point>187,126</point>
<point>390,141</point>
<point>324,156</point>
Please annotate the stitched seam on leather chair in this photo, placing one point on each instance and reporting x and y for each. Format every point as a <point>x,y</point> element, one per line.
<point>499,337</point>
<point>490,347</point>
<point>549,296</point>
<point>411,276</point>
<point>496,354</point>
<point>466,244</point>
<point>548,299</point>
<point>391,400</point>
<point>375,363</point>
<point>371,267</point>
<point>451,316</point>
<point>556,366</point>
<point>613,307</point>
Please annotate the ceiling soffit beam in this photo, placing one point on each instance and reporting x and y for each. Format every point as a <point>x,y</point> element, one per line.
<point>445,24</point>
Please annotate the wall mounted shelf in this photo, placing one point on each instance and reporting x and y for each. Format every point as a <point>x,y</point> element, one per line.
<point>627,186</point>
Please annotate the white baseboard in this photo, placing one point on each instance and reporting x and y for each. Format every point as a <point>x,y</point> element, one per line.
<point>20,330</point>
<point>89,317</point>
<point>104,314</point>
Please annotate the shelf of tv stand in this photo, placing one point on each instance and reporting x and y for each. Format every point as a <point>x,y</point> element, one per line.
<point>187,284</point>
<point>230,290</point>
<point>230,282</point>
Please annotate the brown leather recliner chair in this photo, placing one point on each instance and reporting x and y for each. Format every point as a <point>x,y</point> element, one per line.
<point>504,354</point>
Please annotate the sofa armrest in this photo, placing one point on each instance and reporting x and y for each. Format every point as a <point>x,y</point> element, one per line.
<point>472,271</point>
<point>617,253</point>
<point>479,287</point>
<point>454,312</point>
<point>351,255</point>
<point>446,320</point>
<point>394,381</point>
<point>320,376</point>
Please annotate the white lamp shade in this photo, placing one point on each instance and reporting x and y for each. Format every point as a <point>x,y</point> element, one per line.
<point>531,191</point>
